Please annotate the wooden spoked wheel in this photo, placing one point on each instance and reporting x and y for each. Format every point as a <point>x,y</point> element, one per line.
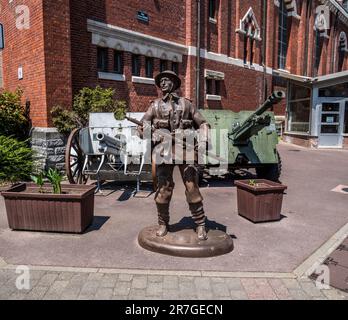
<point>74,159</point>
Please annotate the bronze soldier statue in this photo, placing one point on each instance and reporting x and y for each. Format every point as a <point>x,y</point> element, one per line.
<point>172,112</point>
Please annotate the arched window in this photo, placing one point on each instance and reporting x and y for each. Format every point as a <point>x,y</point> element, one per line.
<point>250,30</point>
<point>249,36</point>
<point>317,54</point>
<point>342,49</point>
<point>283,35</point>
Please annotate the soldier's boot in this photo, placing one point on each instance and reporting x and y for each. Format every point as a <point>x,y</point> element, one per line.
<point>163,219</point>
<point>199,218</point>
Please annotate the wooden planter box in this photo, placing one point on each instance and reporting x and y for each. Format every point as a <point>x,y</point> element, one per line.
<point>262,202</point>
<point>27,209</point>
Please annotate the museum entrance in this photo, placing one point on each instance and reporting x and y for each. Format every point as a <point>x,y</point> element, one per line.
<point>332,122</point>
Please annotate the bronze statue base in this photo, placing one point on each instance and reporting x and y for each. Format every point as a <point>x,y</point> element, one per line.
<point>185,243</point>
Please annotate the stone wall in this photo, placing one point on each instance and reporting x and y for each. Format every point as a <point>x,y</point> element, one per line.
<point>49,146</point>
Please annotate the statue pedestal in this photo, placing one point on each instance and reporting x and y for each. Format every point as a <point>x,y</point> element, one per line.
<point>185,243</point>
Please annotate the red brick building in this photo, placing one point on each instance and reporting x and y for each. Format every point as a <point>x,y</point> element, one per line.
<point>247,49</point>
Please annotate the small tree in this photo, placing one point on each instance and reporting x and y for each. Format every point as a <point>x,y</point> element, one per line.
<point>13,115</point>
<point>16,162</point>
<point>86,101</point>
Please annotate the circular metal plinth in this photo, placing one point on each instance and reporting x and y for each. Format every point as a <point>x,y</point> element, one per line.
<point>185,243</point>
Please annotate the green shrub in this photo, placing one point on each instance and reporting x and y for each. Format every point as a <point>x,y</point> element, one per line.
<point>16,162</point>
<point>13,115</point>
<point>54,176</point>
<point>86,101</point>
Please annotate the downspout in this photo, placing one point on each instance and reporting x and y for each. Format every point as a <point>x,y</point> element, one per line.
<point>264,40</point>
<point>198,50</point>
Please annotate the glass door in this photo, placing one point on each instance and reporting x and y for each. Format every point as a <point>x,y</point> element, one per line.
<point>331,118</point>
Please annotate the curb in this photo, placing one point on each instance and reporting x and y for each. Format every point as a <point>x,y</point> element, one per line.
<point>307,267</point>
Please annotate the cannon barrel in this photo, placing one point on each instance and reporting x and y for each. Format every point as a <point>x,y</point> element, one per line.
<point>242,133</point>
<point>110,142</point>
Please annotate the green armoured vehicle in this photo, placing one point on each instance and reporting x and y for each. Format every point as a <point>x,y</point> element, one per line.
<point>246,139</point>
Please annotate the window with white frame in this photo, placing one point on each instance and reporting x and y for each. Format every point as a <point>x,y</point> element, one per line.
<point>298,110</point>
<point>102,59</point>
<point>212,9</point>
<point>118,62</point>
<point>136,65</point>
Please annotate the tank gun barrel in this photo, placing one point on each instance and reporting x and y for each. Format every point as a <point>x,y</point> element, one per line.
<point>242,132</point>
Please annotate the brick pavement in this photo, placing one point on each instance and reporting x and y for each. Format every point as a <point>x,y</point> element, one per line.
<point>61,285</point>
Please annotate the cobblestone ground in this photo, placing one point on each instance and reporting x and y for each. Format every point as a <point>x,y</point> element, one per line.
<point>48,285</point>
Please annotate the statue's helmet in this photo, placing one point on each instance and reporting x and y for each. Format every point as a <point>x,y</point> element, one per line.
<point>171,75</point>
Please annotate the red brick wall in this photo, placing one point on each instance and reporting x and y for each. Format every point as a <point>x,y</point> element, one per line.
<point>58,57</point>
<point>57,53</point>
<point>26,48</point>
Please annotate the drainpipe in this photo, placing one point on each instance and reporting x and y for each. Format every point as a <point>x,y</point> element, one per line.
<point>198,46</point>
<point>264,40</point>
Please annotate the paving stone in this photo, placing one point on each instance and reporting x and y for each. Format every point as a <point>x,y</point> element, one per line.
<point>104,294</point>
<point>109,281</point>
<point>171,282</point>
<point>6,290</point>
<point>70,293</point>
<point>57,287</point>
<point>78,280</point>
<point>292,284</point>
<point>119,297</point>
<point>65,276</point>
<point>204,295</point>
<point>47,279</point>
<point>220,289</point>
<point>187,289</point>
<point>125,277</point>
<point>202,284</point>
<point>122,288</point>
<point>154,278</point>
<point>310,289</point>
<point>233,284</point>
<point>139,282</point>
<point>251,289</point>
<point>85,297</point>
<point>37,274</point>
<point>218,280</point>
<point>90,287</point>
<point>238,295</point>
<point>280,289</point>
<point>53,296</point>
<point>37,293</point>
<point>171,294</point>
<point>154,289</point>
<point>186,279</point>
<point>95,276</point>
<point>265,289</point>
<point>137,294</point>
<point>333,294</point>
<point>18,296</point>
<point>298,294</point>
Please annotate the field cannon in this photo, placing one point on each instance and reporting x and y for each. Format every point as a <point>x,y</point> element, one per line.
<point>108,149</point>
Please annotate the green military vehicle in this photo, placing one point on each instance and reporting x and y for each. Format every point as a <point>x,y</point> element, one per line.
<point>245,140</point>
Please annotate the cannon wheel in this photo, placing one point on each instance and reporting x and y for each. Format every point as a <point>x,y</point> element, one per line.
<point>270,171</point>
<point>74,158</point>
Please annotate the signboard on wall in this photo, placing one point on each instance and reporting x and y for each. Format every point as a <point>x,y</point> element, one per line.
<point>143,16</point>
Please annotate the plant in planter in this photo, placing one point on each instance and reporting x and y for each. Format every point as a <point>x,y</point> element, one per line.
<point>49,207</point>
<point>259,200</point>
